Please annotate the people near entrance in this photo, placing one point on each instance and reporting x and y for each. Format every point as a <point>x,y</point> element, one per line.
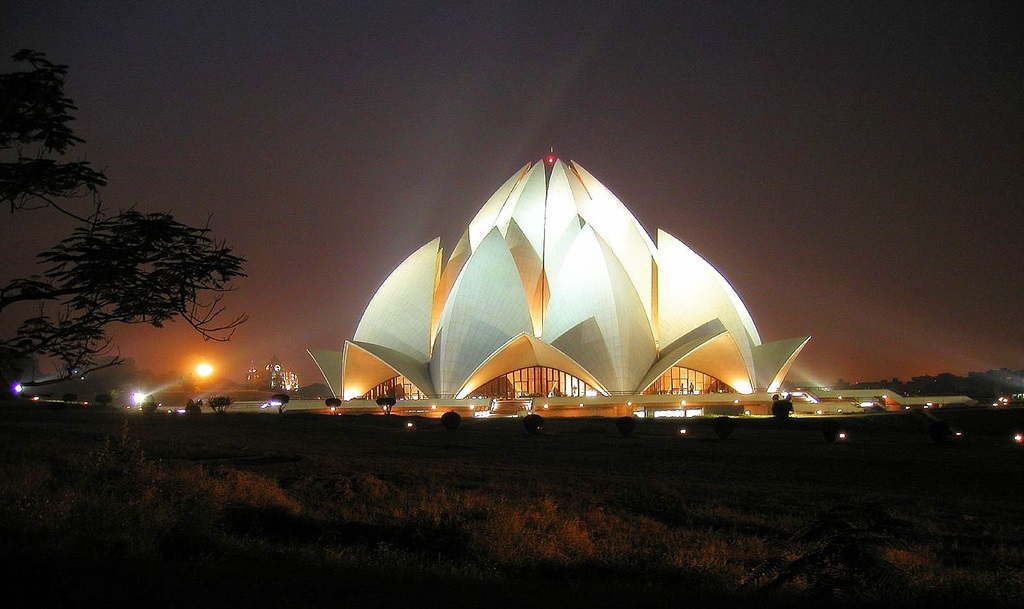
<point>782,408</point>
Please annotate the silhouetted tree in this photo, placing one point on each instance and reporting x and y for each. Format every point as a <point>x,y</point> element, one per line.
<point>192,408</point>
<point>103,400</point>
<point>116,267</point>
<point>451,420</point>
<point>219,404</point>
<point>944,384</point>
<point>35,119</point>
<point>13,366</point>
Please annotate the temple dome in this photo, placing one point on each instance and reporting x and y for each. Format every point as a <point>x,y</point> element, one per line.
<point>554,271</point>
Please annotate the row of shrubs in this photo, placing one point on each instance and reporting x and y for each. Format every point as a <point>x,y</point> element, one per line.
<point>939,431</point>
<point>534,423</point>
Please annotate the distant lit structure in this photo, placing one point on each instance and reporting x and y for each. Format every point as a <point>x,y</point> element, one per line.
<point>274,376</point>
<point>252,375</point>
<point>556,291</point>
<point>280,379</point>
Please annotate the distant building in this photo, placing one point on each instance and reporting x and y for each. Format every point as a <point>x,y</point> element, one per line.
<point>274,376</point>
<point>280,379</point>
<point>252,375</point>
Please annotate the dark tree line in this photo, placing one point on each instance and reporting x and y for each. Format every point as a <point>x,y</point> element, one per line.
<point>116,266</point>
<point>985,385</point>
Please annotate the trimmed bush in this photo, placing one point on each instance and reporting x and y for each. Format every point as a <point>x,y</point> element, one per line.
<point>386,403</point>
<point>625,425</point>
<point>830,430</point>
<point>451,420</point>
<point>220,404</point>
<point>149,405</point>
<point>723,427</point>
<point>281,399</point>
<point>103,400</point>
<point>335,402</point>
<point>533,423</point>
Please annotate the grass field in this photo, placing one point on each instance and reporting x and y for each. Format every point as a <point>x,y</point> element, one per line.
<point>293,510</point>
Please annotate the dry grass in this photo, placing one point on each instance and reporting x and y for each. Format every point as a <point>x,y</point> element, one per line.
<point>299,510</point>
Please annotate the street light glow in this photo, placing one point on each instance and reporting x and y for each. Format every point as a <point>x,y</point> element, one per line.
<point>204,370</point>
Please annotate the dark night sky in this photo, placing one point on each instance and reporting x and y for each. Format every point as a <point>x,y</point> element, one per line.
<point>853,168</point>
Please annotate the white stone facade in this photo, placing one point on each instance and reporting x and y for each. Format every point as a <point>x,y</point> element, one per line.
<point>554,271</point>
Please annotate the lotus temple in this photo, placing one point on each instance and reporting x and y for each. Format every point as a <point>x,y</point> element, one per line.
<point>556,300</point>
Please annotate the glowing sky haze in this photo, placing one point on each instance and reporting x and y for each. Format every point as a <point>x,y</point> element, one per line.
<point>853,169</point>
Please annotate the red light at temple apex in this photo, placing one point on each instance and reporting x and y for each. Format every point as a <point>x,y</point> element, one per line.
<point>550,158</point>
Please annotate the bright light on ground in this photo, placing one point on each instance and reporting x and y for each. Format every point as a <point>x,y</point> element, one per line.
<point>204,369</point>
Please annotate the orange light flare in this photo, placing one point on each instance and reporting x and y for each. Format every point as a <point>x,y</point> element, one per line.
<point>203,370</point>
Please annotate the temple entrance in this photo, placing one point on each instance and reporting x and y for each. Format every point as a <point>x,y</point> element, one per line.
<point>508,408</point>
<point>534,382</point>
<point>397,387</point>
<point>684,381</point>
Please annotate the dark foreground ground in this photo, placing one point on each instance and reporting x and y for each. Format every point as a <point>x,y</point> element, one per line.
<point>294,510</point>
